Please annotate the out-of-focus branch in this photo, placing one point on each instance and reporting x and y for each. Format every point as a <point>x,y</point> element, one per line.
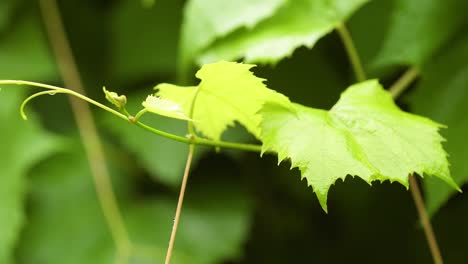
<point>85,122</point>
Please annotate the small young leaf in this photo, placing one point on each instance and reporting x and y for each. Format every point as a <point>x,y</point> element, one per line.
<point>151,152</point>
<point>228,92</point>
<point>164,107</point>
<point>118,100</point>
<point>365,134</point>
<point>298,23</point>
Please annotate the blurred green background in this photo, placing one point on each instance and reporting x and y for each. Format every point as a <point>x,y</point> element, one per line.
<point>239,208</point>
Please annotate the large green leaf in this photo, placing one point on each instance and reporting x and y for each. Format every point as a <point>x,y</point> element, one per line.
<point>23,144</point>
<point>205,21</point>
<point>66,222</point>
<point>228,92</point>
<point>442,95</point>
<point>298,23</point>
<point>419,28</point>
<point>365,134</point>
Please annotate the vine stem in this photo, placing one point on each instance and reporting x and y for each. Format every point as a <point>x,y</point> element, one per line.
<point>179,204</point>
<point>404,81</point>
<point>425,221</point>
<point>192,135</point>
<point>195,141</point>
<point>351,52</point>
<point>86,126</point>
<point>395,90</point>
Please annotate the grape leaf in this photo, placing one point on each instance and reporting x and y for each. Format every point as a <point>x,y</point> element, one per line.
<point>365,134</point>
<point>442,95</point>
<point>23,144</point>
<point>298,23</point>
<point>164,107</point>
<point>56,215</point>
<point>228,92</point>
<point>205,21</point>
<point>418,29</point>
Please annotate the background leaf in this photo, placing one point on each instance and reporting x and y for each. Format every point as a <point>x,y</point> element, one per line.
<point>24,52</point>
<point>62,226</point>
<point>298,23</point>
<point>30,145</point>
<point>369,27</point>
<point>365,134</point>
<point>442,94</point>
<point>205,21</point>
<point>7,8</point>
<point>23,55</point>
<point>144,40</point>
<point>418,29</point>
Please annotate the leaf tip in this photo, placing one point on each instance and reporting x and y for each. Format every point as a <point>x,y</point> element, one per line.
<point>322,198</point>
<point>263,151</point>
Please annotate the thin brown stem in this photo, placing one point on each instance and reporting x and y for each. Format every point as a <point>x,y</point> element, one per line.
<point>351,52</point>
<point>425,221</point>
<point>170,248</point>
<point>396,89</point>
<point>404,81</point>
<point>85,122</point>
